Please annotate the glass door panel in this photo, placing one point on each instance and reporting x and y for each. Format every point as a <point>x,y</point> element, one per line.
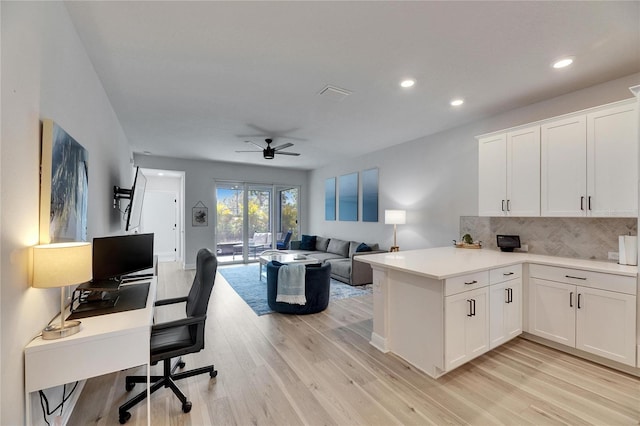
<point>260,235</point>
<point>229,222</point>
<point>288,212</point>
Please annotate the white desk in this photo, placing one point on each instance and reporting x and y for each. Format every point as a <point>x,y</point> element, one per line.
<point>104,344</point>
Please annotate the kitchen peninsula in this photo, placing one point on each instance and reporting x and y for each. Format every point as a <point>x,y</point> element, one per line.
<point>439,308</point>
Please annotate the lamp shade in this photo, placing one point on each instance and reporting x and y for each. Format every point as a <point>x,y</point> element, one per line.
<point>61,264</point>
<point>395,217</point>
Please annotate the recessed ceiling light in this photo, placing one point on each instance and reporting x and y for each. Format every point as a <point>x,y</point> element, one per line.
<point>457,102</point>
<point>562,63</point>
<point>160,174</point>
<point>407,83</point>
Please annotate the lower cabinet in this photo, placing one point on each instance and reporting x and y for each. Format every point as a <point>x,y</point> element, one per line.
<point>601,322</point>
<point>505,317</point>
<point>466,326</point>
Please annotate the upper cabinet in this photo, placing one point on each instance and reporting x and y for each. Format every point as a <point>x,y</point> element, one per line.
<point>564,167</point>
<point>590,164</point>
<point>509,178</point>
<point>578,165</point>
<point>612,162</point>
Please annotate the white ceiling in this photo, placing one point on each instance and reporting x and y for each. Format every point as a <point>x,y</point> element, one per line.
<point>197,79</point>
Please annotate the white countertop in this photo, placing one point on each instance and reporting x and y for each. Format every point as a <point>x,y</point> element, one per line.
<point>446,262</point>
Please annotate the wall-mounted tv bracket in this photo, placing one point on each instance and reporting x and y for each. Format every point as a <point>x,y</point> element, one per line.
<point>120,194</point>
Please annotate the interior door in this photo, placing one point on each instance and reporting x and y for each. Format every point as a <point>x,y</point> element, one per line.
<point>159,215</point>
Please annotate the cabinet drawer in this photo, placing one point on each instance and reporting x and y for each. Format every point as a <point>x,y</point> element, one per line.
<point>506,273</point>
<point>611,282</point>
<point>466,282</point>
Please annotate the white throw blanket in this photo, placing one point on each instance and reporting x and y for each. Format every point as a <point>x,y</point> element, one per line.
<point>291,284</point>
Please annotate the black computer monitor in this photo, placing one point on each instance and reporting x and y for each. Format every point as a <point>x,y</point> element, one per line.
<point>116,256</point>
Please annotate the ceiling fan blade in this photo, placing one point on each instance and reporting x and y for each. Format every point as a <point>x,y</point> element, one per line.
<point>288,153</point>
<point>248,151</point>
<point>255,144</point>
<point>283,146</point>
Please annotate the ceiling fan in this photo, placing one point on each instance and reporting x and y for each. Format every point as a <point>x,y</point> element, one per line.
<point>269,152</point>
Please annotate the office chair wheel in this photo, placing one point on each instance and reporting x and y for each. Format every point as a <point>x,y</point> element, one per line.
<point>129,386</point>
<point>213,374</point>
<point>124,417</point>
<point>186,407</point>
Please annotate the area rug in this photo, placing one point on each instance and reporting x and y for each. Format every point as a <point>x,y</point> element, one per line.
<point>244,280</point>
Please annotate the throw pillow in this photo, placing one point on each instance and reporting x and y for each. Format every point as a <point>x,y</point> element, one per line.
<point>322,243</point>
<point>363,247</point>
<point>308,242</point>
<point>339,247</point>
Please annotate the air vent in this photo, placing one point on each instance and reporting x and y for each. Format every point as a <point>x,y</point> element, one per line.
<point>334,93</point>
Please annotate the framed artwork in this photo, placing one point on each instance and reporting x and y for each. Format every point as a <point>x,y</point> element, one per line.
<point>64,186</point>
<point>199,215</point>
<point>370,195</point>
<point>348,197</point>
<point>330,199</point>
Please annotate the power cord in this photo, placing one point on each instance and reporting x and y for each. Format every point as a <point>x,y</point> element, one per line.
<point>44,402</point>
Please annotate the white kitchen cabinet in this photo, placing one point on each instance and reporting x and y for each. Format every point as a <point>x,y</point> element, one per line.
<point>597,314</point>
<point>605,324</point>
<point>509,173</point>
<point>563,167</point>
<point>505,306</point>
<point>551,311</point>
<point>612,155</point>
<point>589,164</point>
<point>466,326</point>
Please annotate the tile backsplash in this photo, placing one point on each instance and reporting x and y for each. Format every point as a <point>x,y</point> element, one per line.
<point>582,238</point>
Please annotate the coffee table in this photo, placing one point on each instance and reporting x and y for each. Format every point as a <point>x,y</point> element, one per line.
<point>285,258</point>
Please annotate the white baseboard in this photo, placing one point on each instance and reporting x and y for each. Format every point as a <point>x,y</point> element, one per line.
<point>379,342</point>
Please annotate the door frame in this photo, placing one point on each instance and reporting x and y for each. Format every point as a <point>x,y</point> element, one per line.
<point>158,175</point>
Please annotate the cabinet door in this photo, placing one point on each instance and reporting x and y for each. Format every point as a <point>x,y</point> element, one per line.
<point>466,326</point>
<point>492,175</point>
<point>505,312</point>
<point>563,167</point>
<point>552,310</point>
<point>612,155</point>
<point>606,324</point>
<point>523,172</point>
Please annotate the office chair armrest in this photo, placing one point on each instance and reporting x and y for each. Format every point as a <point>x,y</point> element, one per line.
<point>178,323</point>
<point>170,301</point>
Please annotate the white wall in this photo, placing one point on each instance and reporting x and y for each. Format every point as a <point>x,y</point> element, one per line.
<point>435,177</point>
<point>199,186</point>
<point>45,74</point>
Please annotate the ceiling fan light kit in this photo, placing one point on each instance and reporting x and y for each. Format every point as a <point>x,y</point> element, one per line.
<point>270,152</point>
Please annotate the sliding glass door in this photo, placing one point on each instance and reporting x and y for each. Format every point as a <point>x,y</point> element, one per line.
<point>230,202</point>
<point>251,218</point>
<point>288,212</point>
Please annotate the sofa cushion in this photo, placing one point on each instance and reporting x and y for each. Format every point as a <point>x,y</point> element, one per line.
<point>340,247</point>
<point>321,257</point>
<point>322,243</point>
<point>308,242</point>
<point>341,267</point>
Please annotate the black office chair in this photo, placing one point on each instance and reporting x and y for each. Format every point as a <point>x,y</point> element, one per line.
<point>180,337</point>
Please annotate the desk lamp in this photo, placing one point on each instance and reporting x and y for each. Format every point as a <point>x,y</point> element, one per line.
<point>395,217</point>
<point>61,265</point>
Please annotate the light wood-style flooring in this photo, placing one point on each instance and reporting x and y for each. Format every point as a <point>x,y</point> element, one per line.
<point>321,370</point>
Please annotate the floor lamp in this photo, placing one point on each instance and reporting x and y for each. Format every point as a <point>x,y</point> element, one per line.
<point>395,218</point>
<point>61,265</point>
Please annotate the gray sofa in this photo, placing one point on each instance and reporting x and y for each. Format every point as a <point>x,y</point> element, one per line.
<point>342,256</point>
